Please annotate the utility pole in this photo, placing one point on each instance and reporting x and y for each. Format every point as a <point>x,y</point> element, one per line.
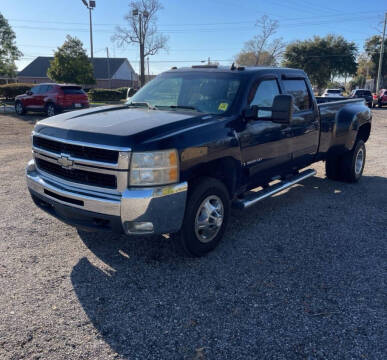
<point>90,4</point>
<point>147,59</point>
<point>381,56</point>
<point>108,67</point>
<point>141,14</point>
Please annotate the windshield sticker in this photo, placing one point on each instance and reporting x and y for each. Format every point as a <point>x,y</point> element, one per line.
<point>223,106</point>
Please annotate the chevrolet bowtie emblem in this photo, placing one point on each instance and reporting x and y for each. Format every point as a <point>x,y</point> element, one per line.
<point>65,161</point>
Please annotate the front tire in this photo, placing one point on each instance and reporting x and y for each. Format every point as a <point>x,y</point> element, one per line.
<point>50,109</point>
<point>206,217</point>
<point>19,108</point>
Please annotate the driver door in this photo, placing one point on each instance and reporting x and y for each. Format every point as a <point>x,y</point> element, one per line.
<point>29,99</point>
<point>265,145</point>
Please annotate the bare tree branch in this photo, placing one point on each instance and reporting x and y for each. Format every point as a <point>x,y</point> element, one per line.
<point>142,30</point>
<point>261,50</point>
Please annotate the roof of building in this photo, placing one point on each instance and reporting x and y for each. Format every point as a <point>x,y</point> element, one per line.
<point>39,66</point>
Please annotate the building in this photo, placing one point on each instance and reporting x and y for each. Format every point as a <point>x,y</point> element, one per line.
<point>108,72</point>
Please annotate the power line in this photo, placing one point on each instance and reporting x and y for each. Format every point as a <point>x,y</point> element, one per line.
<point>195,24</point>
<point>184,31</point>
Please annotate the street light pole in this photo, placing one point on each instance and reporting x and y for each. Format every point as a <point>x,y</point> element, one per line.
<point>91,35</point>
<point>381,56</point>
<point>108,68</point>
<point>90,4</point>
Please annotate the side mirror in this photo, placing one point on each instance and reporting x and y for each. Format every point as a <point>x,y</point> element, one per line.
<point>29,92</point>
<point>282,109</point>
<point>251,113</point>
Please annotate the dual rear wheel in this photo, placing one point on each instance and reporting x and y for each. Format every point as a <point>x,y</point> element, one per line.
<point>349,166</point>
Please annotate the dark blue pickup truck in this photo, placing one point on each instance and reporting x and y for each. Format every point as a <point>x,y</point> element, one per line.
<point>190,145</point>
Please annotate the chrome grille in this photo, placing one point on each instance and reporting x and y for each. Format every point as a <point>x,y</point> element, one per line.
<point>82,165</point>
<point>79,151</point>
<point>78,176</point>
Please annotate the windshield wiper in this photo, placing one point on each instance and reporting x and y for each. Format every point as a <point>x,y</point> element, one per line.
<point>142,103</point>
<point>183,107</point>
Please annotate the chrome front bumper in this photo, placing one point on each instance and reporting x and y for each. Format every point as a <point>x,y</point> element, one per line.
<point>147,210</point>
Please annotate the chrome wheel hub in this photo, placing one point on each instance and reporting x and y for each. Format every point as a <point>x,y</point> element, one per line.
<point>50,111</point>
<point>19,108</point>
<point>209,218</point>
<point>359,161</point>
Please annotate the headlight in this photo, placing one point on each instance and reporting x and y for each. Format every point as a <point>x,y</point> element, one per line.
<point>154,168</point>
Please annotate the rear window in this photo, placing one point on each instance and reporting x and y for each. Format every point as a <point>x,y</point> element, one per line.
<point>72,90</point>
<point>334,91</point>
<point>299,91</point>
<point>363,93</point>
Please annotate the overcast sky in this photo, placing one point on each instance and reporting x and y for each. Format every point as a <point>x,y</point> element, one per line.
<point>197,29</point>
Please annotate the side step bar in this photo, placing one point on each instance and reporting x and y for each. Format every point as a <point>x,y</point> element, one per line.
<point>253,197</point>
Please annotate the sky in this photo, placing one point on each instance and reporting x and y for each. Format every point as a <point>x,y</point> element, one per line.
<point>196,29</point>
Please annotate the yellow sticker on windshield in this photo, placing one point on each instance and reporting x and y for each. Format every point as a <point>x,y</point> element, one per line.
<point>223,106</point>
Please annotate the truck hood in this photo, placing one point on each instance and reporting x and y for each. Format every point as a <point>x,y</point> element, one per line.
<point>119,125</point>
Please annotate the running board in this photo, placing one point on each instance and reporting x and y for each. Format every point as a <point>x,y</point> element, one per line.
<point>253,197</point>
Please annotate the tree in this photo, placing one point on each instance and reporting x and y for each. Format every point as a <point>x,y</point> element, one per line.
<point>142,30</point>
<point>9,52</point>
<point>261,49</point>
<point>363,72</point>
<point>372,48</point>
<point>323,59</point>
<point>71,64</point>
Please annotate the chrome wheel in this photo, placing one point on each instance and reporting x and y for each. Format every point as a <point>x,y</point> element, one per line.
<point>209,218</point>
<point>50,110</point>
<point>359,161</point>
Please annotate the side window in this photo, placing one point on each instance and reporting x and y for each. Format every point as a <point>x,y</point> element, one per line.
<point>264,96</point>
<point>299,91</point>
<point>35,90</point>
<point>49,88</point>
<point>43,89</point>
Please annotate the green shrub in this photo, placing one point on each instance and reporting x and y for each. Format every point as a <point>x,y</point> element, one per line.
<point>123,91</point>
<point>104,95</point>
<point>9,91</point>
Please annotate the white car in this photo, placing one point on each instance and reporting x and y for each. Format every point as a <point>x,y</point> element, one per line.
<point>333,93</point>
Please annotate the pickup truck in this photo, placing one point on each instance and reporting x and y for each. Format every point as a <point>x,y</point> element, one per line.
<point>189,146</point>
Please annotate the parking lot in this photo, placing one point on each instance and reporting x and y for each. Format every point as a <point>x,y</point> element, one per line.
<point>300,276</point>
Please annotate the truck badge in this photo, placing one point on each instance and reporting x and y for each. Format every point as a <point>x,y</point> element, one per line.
<point>65,161</point>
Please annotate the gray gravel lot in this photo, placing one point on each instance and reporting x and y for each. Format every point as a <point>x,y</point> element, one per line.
<point>300,276</point>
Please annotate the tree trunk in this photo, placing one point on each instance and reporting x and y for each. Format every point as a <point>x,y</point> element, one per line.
<point>142,62</point>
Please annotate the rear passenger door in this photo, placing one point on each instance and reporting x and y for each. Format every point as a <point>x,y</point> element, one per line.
<point>304,124</point>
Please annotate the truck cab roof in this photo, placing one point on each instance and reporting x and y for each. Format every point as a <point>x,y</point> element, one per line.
<point>241,70</point>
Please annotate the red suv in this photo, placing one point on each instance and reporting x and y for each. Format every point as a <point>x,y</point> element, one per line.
<point>51,98</point>
<point>382,98</point>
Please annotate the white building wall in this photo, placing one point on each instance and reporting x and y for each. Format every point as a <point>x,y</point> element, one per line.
<point>125,72</point>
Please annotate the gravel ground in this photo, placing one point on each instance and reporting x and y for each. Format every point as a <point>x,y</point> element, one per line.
<point>300,276</point>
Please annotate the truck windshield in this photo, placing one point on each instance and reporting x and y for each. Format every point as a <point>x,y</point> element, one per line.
<point>212,93</point>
